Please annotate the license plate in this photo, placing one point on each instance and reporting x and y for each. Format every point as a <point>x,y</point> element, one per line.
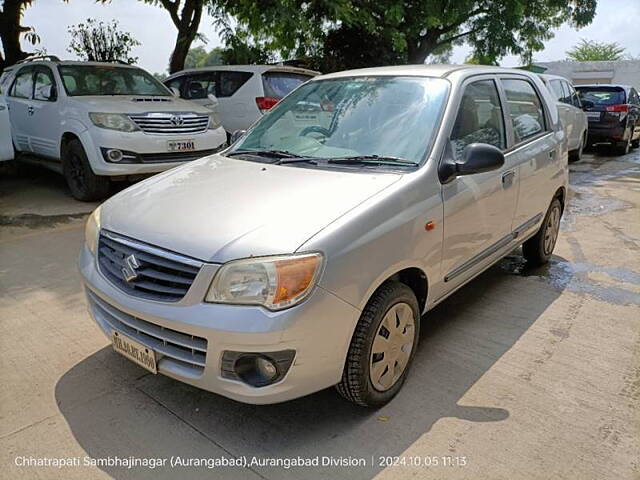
<point>134,351</point>
<point>593,115</point>
<point>181,145</point>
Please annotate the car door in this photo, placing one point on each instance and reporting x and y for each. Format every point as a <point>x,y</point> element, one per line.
<point>634,113</point>
<point>580,118</point>
<point>478,209</point>
<point>44,123</point>
<point>533,150</point>
<point>6,145</point>
<point>237,96</point>
<point>18,102</point>
<point>567,117</point>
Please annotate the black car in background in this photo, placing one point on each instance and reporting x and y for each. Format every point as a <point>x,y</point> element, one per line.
<point>613,112</point>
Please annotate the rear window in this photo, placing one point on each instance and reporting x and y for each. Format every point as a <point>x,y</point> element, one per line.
<point>602,95</point>
<point>279,84</point>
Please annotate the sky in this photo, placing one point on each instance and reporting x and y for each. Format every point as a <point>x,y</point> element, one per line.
<point>615,21</point>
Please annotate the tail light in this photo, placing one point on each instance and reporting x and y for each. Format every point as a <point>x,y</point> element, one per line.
<point>618,108</point>
<point>266,103</point>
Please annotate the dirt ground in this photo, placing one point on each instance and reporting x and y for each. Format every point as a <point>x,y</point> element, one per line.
<point>524,373</point>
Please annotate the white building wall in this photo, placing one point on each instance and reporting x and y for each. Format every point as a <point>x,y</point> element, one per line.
<point>624,72</point>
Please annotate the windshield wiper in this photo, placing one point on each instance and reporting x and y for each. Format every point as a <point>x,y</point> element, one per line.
<point>374,160</point>
<point>285,161</point>
<point>265,153</point>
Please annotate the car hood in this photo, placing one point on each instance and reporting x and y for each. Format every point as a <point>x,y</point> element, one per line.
<point>134,104</point>
<point>217,209</point>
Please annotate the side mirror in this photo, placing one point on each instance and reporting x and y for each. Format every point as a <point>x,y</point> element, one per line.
<point>175,91</point>
<point>214,101</point>
<point>476,158</point>
<point>236,135</point>
<point>586,104</point>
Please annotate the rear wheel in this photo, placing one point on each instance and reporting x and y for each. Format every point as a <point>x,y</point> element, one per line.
<point>85,185</point>
<point>538,249</point>
<point>382,347</point>
<point>623,147</point>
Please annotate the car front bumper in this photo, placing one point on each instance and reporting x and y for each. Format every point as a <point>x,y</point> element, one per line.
<point>318,330</point>
<point>94,139</point>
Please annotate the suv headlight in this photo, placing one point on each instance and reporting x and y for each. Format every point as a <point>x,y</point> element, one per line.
<point>214,121</point>
<point>272,282</point>
<point>113,121</point>
<point>91,231</point>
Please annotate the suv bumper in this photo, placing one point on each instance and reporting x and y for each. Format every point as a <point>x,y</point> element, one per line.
<point>141,143</point>
<point>318,330</point>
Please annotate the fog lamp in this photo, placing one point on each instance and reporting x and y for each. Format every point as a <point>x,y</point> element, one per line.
<point>114,155</point>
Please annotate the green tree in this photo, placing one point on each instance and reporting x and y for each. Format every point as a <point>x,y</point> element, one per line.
<point>590,51</point>
<point>95,41</point>
<point>406,31</point>
<point>11,12</point>
<point>199,57</point>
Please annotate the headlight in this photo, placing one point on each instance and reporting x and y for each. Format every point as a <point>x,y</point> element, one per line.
<point>113,121</point>
<point>214,121</point>
<point>91,230</point>
<point>273,282</point>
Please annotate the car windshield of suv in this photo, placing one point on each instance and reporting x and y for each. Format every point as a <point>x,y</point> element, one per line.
<point>382,117</point>
<point>602,95</point>
<point>81,80</point>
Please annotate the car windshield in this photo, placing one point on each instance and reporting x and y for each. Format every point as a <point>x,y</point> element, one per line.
<point>385,117</point>
<point>80,80</point>
<point>602,95</point>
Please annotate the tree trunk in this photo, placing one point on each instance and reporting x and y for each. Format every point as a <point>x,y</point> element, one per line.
<point>10,31</point>
<point>419,49</point>
<point>187,31</point>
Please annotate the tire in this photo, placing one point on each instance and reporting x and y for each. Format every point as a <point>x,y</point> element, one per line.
<point>622,148</point>
<point>85,185</point>
<point>396,303</point>
<point>576,155</point>
<point>538,249</point>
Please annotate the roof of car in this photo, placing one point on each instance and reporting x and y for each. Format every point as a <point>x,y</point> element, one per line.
<point>439,70</point>
<point>248,68</point>
<point>547,76</point>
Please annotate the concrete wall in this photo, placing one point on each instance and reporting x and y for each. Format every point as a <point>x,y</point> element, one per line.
<point>626,72</point>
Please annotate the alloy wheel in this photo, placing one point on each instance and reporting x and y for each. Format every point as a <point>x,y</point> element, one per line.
<point>392,347</point>
<point>552,229</point>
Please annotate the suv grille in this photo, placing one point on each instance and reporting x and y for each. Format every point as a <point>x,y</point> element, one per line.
<point>153,273</point>
<point>171,123</point>
<point>182,349</point>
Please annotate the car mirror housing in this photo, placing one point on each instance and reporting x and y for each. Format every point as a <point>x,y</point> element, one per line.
<point>476,158</point>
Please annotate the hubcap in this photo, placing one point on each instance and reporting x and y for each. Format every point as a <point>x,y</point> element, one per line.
<point>551,230</point>
<point>392,347</point>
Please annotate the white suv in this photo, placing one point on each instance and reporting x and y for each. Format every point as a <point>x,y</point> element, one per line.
<point>244,92</point>
<point>99,121</point>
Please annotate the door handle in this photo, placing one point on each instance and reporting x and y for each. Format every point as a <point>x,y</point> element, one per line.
<point>30,110</point>
<point>507,178</point>
<point>552,154</point>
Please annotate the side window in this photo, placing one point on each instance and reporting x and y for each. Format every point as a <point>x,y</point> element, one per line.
<point>480,118</point>
<point>525,109</point>
<point>44,88</point>
<point>556,89</point>
<point>230,82</point>
<point>176,83</point>
<point>566,93</point>
<point>199,86</point>
<point>23,84</point>
<point>634,97</point>
<point>575,100</point>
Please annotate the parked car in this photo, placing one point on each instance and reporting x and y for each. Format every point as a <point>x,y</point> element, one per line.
<point>244,92</point>
<point>98,121</point>
<point>613,112</point>
<point>571,114</point>
<point>305,255</point>
<point>6,146</point>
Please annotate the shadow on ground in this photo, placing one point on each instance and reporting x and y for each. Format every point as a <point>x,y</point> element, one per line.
<point>154,416</point>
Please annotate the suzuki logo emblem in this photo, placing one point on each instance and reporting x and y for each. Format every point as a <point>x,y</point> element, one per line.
<point>129,270</point>
<point>177,121</point>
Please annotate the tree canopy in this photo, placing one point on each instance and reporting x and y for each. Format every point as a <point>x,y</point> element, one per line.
<point>347,33</point>
<point>95,41</point>
<point>590,51</point>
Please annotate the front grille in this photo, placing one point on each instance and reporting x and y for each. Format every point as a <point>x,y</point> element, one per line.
<point>153,273</point>
<point>180,348</point>
<point>171,123</point>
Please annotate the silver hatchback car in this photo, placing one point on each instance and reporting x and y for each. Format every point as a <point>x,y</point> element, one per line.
<point>305,255</point>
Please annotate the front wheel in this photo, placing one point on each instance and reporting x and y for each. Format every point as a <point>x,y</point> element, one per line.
<point>85,185</point>
<point>576,155</point>
<point>538,249</point>
<point>382,347</point>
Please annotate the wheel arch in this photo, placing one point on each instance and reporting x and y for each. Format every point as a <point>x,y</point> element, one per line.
<point>413,277</point>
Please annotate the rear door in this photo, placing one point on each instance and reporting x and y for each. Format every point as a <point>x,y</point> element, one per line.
<point>533,150</point>
<point>19,104</point>
<point>237,92</point>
